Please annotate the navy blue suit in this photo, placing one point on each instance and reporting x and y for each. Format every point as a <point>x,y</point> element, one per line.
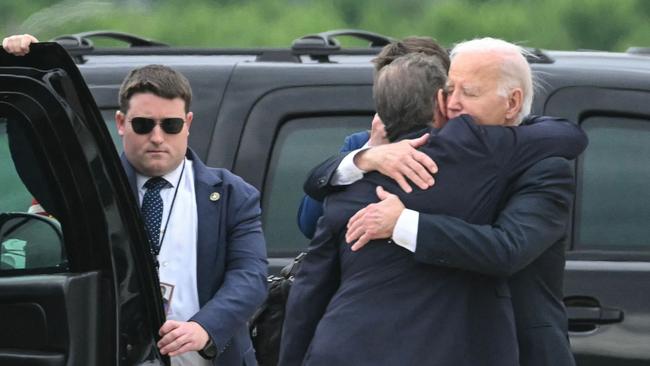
<point>526,244</point>
<point>231,259</point>
<point>382,306</point>
<point>310,210</point>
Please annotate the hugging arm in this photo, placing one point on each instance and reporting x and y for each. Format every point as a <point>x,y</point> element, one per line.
<point>544,137</point>
<point>534,218</point>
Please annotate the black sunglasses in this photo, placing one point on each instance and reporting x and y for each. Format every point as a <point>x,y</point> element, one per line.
<point>144,125</point>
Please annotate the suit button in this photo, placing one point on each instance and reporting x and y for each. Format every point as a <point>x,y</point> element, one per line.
<point>322,181</point>
<point>441,261</point>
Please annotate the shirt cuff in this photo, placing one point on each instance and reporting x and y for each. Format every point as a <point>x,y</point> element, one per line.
<point>347,173</point>
<point>405,233</point>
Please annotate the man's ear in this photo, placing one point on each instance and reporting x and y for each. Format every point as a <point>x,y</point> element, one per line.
<point>188,120</point>
<point>440,112</point>
<point>120,122</point>
<point>515,102</point>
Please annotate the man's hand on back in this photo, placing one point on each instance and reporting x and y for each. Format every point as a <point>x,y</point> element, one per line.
<point>375,221</point>
<point>18,45</point>
<point>400,161</point>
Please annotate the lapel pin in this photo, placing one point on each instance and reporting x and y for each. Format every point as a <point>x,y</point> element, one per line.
<point>215,196</point>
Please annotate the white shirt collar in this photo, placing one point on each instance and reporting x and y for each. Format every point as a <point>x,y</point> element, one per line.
<point>172,177</point>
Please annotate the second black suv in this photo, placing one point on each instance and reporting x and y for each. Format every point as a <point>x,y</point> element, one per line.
<point>83,291</point>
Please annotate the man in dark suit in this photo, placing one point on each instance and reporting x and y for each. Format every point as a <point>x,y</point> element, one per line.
<point>208,239</point>
<point>525,240</point>
<point>203,223</point>
<point>380,306</point>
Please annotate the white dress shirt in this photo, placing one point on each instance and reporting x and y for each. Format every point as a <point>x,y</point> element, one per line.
<point>177,257</point>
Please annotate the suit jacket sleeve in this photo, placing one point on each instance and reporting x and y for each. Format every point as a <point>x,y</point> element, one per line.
<point>308,213</point>
<point>317,185</point>
<point>314,285</point>
<point>542,137</point>
<point>534,218</point>
<point>244,285</point>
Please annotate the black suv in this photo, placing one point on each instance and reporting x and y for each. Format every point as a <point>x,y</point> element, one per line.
<point>80,288</point>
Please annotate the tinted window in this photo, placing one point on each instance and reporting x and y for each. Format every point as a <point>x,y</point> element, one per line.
<point>27,241</point>
<point>300,145</point>
<point>13,195</point>
<point>613,203</point>
<point>109,119</point>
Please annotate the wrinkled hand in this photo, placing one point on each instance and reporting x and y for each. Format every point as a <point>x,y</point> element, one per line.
<point>18,45</point>
<point>377,132</point>
<point>180,337</point>
<point>400,161</point>
<point>375,221</point>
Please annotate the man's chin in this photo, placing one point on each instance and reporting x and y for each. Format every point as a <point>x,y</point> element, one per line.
<point>156,169</point>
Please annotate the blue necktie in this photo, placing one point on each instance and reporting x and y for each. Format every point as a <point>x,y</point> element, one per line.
<point>152,210</point>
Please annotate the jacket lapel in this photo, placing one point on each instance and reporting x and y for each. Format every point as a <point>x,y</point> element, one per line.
<point>208,190</point>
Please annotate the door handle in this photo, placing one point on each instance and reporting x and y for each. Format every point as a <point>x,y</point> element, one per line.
<point>594,315</point>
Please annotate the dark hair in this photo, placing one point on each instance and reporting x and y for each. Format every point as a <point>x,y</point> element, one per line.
<point>424,45</point>
<point>405,93</point>
<point>159,80</point>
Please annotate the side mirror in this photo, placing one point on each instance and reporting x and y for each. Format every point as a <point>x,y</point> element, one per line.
<point>29,241</point>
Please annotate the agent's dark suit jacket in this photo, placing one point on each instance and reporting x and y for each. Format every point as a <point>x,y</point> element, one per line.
<point>380,306</point>
<point>231,259</point>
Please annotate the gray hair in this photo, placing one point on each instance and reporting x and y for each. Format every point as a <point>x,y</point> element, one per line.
<point>405,93</point>
<point>515,70</point>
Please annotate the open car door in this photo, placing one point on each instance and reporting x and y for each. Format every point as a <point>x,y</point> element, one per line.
<point>77,282</point>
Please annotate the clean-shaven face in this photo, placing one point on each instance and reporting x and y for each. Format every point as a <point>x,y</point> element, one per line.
<point>155,153</point>
<point>472,88</point>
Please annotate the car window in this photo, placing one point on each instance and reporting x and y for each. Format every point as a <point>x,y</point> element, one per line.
<point>613,199</point>
<point>13,195</point>
<point>29,237</point>
<point>300,145</point>
<point>109,118</point>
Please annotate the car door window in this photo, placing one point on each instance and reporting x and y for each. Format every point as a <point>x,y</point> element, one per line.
<point>30,239</point>
<point>301,144</point>
<point>109,118</point>
<point>613,200</point>
<point>13,195</point>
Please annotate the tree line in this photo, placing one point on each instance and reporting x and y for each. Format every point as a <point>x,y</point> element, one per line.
<point>553,24</point>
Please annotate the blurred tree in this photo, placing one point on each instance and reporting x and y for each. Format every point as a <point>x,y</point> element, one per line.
<point>598,24</point>
<point>554,24</point>
<point>643,7</point>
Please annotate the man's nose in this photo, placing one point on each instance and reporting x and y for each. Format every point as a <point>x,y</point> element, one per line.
<point>157,135</point>
<point>453,102</point>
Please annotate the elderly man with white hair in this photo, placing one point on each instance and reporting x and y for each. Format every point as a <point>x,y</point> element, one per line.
<point>490,80</point>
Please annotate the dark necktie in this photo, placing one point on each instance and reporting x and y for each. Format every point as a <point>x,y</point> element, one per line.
<point>152,210</point>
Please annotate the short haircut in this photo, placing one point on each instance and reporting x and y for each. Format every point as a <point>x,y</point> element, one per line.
<point>424,45</point>
<point>405,93</point>
<point>515,70</point>
<point>160,80</point>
